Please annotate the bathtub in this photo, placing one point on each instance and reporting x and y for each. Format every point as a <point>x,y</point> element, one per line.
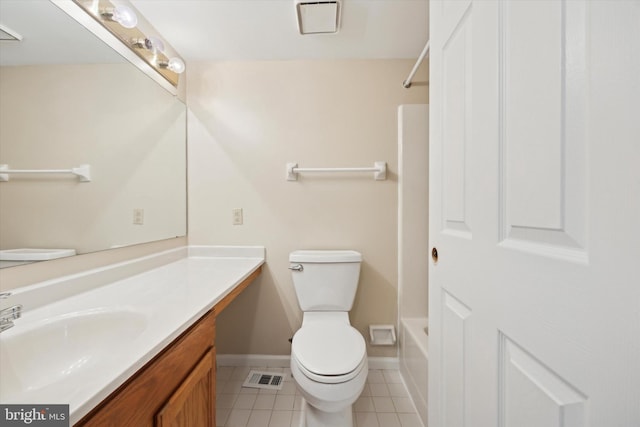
<point>414,359</point>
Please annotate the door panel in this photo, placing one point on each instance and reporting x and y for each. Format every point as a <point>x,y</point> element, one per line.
<point>543,170</point>
<point>456,72</point>
<point>534,301</point>
<point>532,395</point>
<point>455,336</point>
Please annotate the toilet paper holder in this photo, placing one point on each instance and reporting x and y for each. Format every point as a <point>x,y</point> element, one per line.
<point>382,334</point>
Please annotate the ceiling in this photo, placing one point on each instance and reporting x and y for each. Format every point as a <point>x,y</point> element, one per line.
<point>202,30</point>
<point>50,36</point>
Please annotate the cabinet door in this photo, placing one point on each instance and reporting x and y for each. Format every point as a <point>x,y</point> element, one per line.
<point>192,404</point>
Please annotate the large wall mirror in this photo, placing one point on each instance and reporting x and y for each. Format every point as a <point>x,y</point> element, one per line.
<point>67,99</point>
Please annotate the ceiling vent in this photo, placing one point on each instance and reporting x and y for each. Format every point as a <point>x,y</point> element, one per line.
<point>8,34</point>
<point>318,17</point>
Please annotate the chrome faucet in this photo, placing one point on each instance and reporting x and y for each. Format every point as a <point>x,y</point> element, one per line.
<point>9,314</point>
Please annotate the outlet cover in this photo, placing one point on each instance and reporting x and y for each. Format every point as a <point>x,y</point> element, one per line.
<point>237,216</point>
<point>138,216</point>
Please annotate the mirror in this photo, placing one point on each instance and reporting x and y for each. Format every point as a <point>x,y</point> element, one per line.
<point>67,99</point>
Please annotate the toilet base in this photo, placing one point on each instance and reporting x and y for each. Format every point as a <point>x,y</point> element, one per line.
<point>313,417</point>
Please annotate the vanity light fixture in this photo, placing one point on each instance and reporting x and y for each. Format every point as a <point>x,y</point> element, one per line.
<point>153,44</point>
<point>121,19</point>
<point>156,46</point>
<point>123,15</point>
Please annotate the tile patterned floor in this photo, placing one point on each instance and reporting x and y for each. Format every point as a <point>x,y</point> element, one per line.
<point>383,403</point>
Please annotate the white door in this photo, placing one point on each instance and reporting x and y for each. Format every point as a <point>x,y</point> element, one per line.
<point>535,213</point>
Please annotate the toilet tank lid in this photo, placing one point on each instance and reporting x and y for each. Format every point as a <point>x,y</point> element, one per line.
<point>322,256</point>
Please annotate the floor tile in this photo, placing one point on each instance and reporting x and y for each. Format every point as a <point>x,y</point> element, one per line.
<point>264,401</point>
<point>364,404</point>
<point>223,373</point>
<point>259,418</point>
<point>240,373</point>
<point>225,401</point>
<point>379,389</point>
<point>392,376</point>
<point>366,419</point>
<point>221,416</point>
<point>284,402</point>
<point>245,401</point>
<point>384,402</point>
<point>296,419</point>
<point>366,391</point>
<point>375,376</point>
<point>238,418</point>
<point>403,404</point>
<point>232,387</point>
<point>287,374</point>
<point>388,419</point>
<point>297,403</point>
<point>398,389</point>
<point>410,420</point>
<point>288,387</point>
<point>249,390</point>
<point>280,418</point>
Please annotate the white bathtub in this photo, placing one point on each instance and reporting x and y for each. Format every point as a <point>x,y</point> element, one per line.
<point>414,360</point>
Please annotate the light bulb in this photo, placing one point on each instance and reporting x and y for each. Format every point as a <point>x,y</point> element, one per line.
<point>154,44</point>
<point>176,65</point>
<point>125,16</point>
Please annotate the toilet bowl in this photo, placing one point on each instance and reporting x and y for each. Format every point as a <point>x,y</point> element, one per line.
<point>329,366</point>
<point>328,356</point>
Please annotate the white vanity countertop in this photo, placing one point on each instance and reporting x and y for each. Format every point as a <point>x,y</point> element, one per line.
<point>139,315</point>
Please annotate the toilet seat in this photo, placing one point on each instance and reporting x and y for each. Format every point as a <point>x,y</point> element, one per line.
<point>330,379</point>
<point>329,353</point>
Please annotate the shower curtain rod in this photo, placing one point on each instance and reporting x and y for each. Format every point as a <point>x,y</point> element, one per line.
<point>425,51</point>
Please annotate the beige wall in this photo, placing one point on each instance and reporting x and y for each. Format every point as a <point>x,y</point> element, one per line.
<point>246,121</point>
<point>111,116</point>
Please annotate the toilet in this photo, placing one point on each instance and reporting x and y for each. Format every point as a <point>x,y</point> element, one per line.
<point>328,355</point>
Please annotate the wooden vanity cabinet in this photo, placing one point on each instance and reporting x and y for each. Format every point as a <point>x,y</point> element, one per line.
<point>193,403</point>
<point>177,387</point>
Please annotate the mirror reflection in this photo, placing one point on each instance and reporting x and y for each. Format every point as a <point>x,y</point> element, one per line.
<point>66,99</point>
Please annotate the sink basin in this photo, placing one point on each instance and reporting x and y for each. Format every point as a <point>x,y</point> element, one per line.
<point>42,353</point>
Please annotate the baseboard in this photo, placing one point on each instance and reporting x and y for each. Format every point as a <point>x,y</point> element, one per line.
<point>283,361</point>
<point>255,360</point>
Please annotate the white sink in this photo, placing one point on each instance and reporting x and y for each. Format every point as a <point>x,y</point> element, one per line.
<point>30,254</point>
<point>43,353</point>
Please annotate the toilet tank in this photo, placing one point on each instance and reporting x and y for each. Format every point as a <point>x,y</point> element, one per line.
<point>325,280</point>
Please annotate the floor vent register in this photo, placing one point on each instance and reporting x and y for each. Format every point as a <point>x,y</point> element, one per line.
<point>262,379</point>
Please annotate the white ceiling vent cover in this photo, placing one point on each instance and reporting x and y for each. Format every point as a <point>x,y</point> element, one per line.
<point>318,17</point>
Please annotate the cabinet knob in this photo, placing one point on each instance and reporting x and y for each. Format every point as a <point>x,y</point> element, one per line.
<point>434,254</point>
